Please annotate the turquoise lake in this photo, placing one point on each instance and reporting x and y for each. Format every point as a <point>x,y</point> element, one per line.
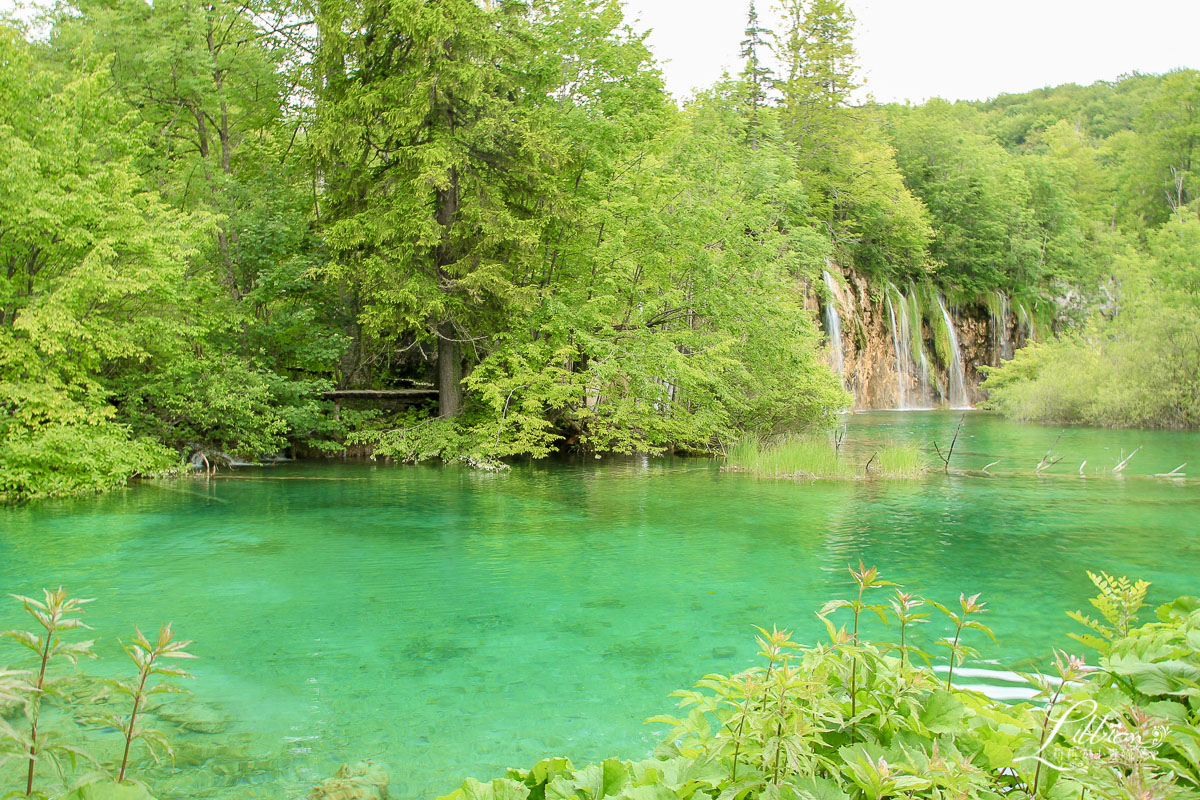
<point>450,623</point>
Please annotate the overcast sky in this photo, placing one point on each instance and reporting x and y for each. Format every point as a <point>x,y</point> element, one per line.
<point>956,49</point>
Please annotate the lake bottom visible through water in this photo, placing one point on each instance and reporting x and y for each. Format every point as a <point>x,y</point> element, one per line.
<point>450,623</point>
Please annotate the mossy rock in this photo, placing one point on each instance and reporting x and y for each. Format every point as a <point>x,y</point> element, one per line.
<point>110,791</point>
<point>363,781</point>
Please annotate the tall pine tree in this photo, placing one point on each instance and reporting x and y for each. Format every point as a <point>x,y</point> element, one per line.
<point>755,75</point>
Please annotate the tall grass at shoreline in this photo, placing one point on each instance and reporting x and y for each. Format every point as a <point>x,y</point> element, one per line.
<point>814,456</point>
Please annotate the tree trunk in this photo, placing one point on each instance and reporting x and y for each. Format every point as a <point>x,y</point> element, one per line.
<point>449,368</point>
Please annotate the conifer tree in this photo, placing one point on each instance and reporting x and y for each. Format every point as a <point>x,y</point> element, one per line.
<point>429,136</point>
<point>819,60</point>
<point>755,75</point>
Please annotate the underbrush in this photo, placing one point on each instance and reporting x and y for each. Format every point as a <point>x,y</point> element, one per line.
<point>854,719</point>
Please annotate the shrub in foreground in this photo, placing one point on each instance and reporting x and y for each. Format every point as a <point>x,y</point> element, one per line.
<point>851,719</point>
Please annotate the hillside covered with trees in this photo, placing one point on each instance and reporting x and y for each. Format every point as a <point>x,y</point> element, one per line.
<point>212,215</point>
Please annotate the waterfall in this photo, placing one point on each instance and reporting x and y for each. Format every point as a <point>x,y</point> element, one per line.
<point>916,343</point>
<point>903,363</point>
<point>958,376</point>
<point>1024,321</point>
<point>912,367</point>
<point>833,325</point>
<point>1001,340</point>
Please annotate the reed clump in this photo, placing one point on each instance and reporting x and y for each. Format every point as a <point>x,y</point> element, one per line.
<point>804,456</point>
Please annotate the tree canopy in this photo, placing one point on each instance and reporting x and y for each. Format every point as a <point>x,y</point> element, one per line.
<point>212,214</point>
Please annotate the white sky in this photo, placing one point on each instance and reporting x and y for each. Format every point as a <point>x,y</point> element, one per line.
<point>956,49</point>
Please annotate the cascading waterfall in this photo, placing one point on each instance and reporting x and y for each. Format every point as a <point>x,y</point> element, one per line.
<point>833,325</point>
<point>1024,321</point>
<point>912,367</point>
<point>1001,340</point>
<point>958,376</point>
<point>903,363</point>
<point>916,344</point>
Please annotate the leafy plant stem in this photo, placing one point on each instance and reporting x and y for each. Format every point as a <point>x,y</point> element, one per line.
<point>37,707</point>
<point>782,715</point>
<point>737,736</point>
<point>954,651</point>
<point>1037,772</point>
<point>137,702</point>
<point>854,667</point>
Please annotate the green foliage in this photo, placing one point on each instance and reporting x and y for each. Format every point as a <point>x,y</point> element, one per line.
<point>221,406</point>
<point>1111,170</point>
<point>1137,368</point>
<point>107,790</point>
<point>847,719</point>
<point>985,233</point>
<point>115,351</point>
<point>67,450</point>
<point>1118,602</point>
<point>962,619</point>
<point>212,213</point>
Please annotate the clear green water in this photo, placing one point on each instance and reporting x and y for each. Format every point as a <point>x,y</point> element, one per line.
<point>451,623</point>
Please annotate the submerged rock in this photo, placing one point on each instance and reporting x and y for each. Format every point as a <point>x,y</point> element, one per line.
<point>363,781</point>
<point>193,715</point>
<point>11,709</point>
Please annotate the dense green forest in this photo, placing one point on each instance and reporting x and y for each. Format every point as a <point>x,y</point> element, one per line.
<point>212,214</point>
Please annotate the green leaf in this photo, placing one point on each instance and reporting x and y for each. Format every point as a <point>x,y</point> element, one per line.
<point>942,712</point>
<point>1171,676</point>
<point>498,789</point>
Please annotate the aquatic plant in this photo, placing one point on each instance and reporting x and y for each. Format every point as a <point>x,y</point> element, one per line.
<point>899,461</point>
<point>57,614</point>
<point>148,659</point>
<point>816,456</point>
<point>786,456</point>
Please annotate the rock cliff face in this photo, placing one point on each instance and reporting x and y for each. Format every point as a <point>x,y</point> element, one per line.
<point>906,347</point>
